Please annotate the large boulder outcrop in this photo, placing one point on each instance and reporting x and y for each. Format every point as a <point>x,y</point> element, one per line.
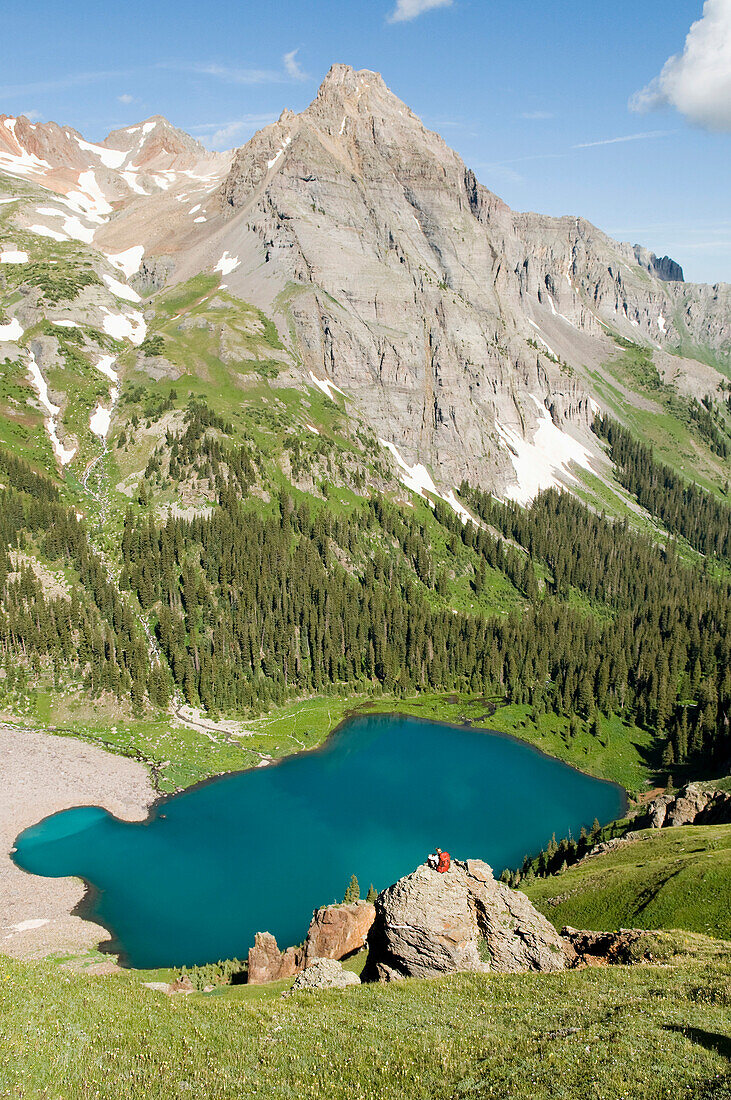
<point>695,804</point>
<point>325,974</point>
<point>268,964</point>
<point>428,924</point>
<point>335,931</point>
<point>338,930</point>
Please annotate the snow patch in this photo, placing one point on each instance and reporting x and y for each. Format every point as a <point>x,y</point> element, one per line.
<point>275,158</point>
<point>12,331</point>
<point>546,346</point>
<point>29,925</point>
<point>129,326</point>
<point>130,178</point>
<point>326,386</point>
<point>62,453</point>
<point>454,504</point>
<point>541,462</point>
<point>129,262</point>
<point>110,158</point>
<point>195,208</point>
<point>313,429</point>
<point>661,323</point>
<point>10,257</point>
<point>417,478</point>
<point>227,264</point>
<point>121,290</point>
<point>66,324</point>
<point>105,366</point>
<point>44,231</point>
<point>201,219</point>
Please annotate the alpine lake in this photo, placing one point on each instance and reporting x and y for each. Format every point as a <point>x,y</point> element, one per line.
<point>259,850</point>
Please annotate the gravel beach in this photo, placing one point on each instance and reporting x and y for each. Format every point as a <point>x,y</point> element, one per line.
<point>41,774</point>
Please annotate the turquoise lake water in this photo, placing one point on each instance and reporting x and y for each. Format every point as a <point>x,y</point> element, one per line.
<point>259,850</point>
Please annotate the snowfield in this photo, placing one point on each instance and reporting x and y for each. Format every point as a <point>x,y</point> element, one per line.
<point>542,462</point>
<point>121,290</point>
<point>129,262</point>
<point>12,331</point>
<point>11,257</point>
<point>227,264</point>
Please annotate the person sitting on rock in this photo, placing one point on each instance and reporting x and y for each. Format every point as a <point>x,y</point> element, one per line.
<point>444,861</point>
<point>432,860</point>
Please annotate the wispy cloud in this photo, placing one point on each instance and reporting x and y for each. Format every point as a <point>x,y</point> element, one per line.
<point>698,81</point>
<point>292,66</point>
<point>222,135</point>
<point>126,98</point>
<point>32,116</point>
<point>406,10</point>
<point>537,116</point>
<point>234,76</point>
<point>69,81</point>
<point>646,136</point>
<point>290,70</point>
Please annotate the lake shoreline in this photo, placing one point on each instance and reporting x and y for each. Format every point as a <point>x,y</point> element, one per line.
<point>44,774</point>
<point>85,906</point>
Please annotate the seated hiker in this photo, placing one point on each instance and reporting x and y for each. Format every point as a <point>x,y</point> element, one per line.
<point>432,860</point>
<point>444,861</point>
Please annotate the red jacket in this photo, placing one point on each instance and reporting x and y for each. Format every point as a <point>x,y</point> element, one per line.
<point>444,862</point>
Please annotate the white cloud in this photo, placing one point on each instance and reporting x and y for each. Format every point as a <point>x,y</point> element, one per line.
<point>537,116</point>
<point>292,66</point>
<point>698,81</point>
<point>126,98</point>
<point>409,9</point>
<point>32,116</point>
<point>222,135</point>
<point>236,76</point>
<point>618,140</point>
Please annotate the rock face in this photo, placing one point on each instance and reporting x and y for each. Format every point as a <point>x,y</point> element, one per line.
<point>445,316</point>
<point>335,931</point>
<point>338,930</point>
<point>428,924</point>
<point>268,964</point>
<point>695,804</point>
<point>325,974</point>
<point>588,948</point>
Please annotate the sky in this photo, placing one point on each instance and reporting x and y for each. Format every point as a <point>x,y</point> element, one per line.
<point>620,112</point>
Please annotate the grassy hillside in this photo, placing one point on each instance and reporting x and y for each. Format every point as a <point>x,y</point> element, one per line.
<point>644,1033</point>
<point>670,878</point>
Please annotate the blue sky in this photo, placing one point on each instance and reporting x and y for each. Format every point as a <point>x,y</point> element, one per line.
<point>538,99</point>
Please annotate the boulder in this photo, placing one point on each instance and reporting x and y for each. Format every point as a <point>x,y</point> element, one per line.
<point>183,984</point>
<point>268,964</point>
<point>325,974</point>
<point>428,924</point>
<point>620,948</point>
<point>695,804</point>
<point>338,930</point>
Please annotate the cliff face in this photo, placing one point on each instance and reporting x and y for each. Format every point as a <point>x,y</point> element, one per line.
<point>455,324</point>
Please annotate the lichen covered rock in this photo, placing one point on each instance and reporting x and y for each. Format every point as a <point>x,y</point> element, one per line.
<point>428,924</point>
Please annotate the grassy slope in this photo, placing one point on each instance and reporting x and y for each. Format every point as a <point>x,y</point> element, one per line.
<point>644,1033</point>
<point>674,878</point>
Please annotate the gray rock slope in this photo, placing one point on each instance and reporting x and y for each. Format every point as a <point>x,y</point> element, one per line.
<point>455,324</point>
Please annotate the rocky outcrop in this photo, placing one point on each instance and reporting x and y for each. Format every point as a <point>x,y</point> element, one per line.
<point>325,974</point>
<point>338,930</point>
<point>429,924</point>
<point>335,931</point>
<point>695,804</point>
<point>589,948</point>
<point>268,964</point>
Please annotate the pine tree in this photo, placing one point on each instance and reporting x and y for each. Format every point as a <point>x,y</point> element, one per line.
<point>352,894</point>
